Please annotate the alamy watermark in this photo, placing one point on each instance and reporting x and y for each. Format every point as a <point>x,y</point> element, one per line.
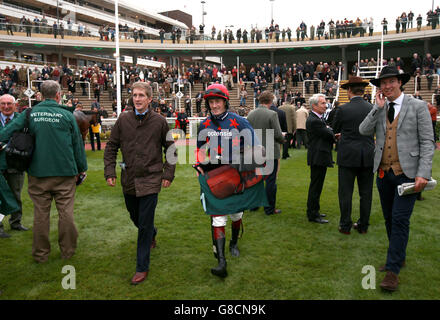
<point>69,281</point>
<point>369,281</point>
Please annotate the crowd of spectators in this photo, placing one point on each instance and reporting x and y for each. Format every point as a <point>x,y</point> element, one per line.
<point>285,80</point>
<point>42,26</point>
<point>343,28</point>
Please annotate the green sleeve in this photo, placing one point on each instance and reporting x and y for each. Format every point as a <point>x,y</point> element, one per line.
<point>78,148</point>
<point>18,124</point>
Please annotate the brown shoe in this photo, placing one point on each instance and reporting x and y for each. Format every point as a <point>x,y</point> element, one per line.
<point>382,268</point>
<point>344,231</point>
<point>139,277</point>
<point>390,282</point>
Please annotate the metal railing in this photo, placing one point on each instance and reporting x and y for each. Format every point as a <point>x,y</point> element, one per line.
<point>304,85</point>
<point>373,92</point>
<point>368,72</point>
<point>86,82</point>
<point>424,75</point>
<point>48,29</point>
<point>182,85</point>
<point>157,86</point>
<point>337,90</point>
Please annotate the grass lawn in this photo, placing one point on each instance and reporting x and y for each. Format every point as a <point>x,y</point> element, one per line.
<point>283,257</point>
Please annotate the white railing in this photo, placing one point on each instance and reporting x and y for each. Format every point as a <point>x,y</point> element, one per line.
<point>373,92</point>
<point>337,91</point>
<point>181,85</point>
<point>304,85</point>
<point>157,86</point>
<point>86,82</point>
<point>416,83</point>
<point>193,121</point>
<point>368,72</point>
<point>32,82</point>
<point>93,12</point>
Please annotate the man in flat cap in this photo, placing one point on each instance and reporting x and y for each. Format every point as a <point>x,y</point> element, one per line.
<point>355,156</point>
<point>403,153</point>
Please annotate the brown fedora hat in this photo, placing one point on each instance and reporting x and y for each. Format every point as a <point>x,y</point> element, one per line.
<point>389,72</point>
<point>354,81</point>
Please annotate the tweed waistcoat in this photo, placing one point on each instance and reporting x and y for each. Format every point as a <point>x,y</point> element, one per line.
<point>390,156</point>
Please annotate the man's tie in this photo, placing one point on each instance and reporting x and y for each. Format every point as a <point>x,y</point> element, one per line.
<point>7,120</point>
<point>391,111</point>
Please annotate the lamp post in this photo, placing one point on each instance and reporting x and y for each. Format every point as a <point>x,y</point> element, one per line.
<point>58,15</point>
<point>117,76</point>
<point>203,12</point>
<point>271,10</point>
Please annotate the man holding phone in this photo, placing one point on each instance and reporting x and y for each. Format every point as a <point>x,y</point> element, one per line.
<point>404,152</point>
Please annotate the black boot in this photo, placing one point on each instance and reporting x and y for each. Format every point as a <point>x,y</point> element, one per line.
<point>233,248</point>
<point>219,253</point>
<point>220,270</point>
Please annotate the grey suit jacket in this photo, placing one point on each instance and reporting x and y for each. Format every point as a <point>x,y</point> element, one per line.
<point>415,143</point>
<point>263,118</point>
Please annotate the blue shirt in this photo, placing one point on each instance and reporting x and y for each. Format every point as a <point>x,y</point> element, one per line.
<point>3,118</point>
<point>137,113</point>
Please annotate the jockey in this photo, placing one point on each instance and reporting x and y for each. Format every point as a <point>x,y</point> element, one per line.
<point>221,136</point>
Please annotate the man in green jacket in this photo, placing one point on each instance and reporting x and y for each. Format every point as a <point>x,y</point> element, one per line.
<point>58,160</point>
<point>14,178</point>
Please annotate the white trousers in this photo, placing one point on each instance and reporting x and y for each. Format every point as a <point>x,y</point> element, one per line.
<point>220,221</point>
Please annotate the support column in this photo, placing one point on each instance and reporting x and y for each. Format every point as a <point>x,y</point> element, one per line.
<point>427,45</point>
<point>272,63</point>
<point>135,57</point>
<point>60,56</point>
<point>344,63</point>
<point>203,57</point>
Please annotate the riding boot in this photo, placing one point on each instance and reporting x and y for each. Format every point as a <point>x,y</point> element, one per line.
<point>219,247</point>
<point>233,248</point>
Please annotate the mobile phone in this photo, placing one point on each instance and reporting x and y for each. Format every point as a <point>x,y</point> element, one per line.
<point>81,178</point>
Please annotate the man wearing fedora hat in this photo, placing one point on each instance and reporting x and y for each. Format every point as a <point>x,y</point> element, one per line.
<point>355,156</point>
<point>403,153</point>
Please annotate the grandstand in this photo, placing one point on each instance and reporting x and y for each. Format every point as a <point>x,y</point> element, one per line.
<point>90,14</point>
<point>94,47</point>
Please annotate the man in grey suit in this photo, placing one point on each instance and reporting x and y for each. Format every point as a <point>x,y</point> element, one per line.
<point>355,156</point>
<point>403,153</point>
<point>267,121</point>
